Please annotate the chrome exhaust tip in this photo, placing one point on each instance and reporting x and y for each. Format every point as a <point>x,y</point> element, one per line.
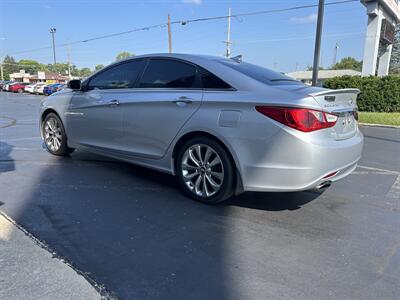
<point>323,185</point>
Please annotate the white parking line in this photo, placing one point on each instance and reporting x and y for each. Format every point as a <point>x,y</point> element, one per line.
<point>394,191</point>
<point>27,149</point>
<point>28,120</point>
<point>379,170</point>
<point>22,139</point>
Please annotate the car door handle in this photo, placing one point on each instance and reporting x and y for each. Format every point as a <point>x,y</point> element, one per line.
<point>114,102</point>
<point>183,99</point>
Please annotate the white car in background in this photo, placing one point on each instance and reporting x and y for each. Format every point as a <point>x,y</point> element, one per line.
<point>6,87</point>
<point>30,88</point>
<point>38,89</point>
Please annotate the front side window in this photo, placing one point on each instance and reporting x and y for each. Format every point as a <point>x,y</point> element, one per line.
<point>118,77</point>
<point>164,73</point>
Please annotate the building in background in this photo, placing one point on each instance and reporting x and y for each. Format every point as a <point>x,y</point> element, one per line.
<point>383,16</point>
<point>306,76</point>
<point>48,77</point>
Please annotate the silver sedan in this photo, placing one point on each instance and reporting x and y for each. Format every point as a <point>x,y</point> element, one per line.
<point>222,126</point>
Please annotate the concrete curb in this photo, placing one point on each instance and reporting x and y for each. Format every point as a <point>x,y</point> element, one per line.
<point>380,125</point>
<point>99,288</point>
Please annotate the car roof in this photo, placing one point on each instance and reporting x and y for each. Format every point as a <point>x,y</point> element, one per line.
<point>183,56</point>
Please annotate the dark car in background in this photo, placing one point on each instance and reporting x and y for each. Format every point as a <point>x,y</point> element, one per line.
<point>52,88</point>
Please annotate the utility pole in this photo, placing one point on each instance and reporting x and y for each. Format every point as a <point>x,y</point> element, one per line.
<point>52,32</point>
<point>169,34</point>
<point>1,69</point>
<point>69,61</point>
<point>228,40</point>
<point>335,53</point>
<point>318,42</point>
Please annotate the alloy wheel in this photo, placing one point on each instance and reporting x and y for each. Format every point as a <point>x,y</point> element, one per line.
<point>202,170</point>
<point>52,134</point>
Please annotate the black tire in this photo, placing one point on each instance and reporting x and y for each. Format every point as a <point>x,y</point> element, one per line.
<point>62,148</point>
<point>227,184</point>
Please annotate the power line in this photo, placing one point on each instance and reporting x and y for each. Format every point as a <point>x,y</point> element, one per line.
<point>327,35</point>
<point>300,37</point>
<point>185,22</point>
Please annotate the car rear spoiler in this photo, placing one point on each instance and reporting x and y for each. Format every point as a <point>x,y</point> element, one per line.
<point>335,92</point>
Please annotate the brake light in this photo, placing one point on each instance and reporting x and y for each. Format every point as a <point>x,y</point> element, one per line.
<point>302,119</point>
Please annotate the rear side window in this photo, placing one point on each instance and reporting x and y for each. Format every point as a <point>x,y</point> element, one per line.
<point>118,77</point>
<point>210,81</point>
<point>261,74</point>
<point>164,73</point>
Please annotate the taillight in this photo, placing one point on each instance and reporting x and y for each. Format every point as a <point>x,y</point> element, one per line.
<point>302,119</point>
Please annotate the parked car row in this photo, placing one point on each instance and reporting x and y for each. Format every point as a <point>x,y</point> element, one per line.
<point>41,88</point>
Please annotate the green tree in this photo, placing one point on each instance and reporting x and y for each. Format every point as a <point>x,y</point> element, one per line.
<point>31,66</point>
<point>123,55</point>
<point>59,68</point>
<point>74,70</point>
<point>310,68</point>
<point>380,94</point>
<point>348,63</point>
<point>9,66</point>
<point>395,59</point>
<point>85,72</point>
<point>98,67</point>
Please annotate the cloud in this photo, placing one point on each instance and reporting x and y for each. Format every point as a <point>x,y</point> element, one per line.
<point>196,2</point>
<point>304,20</point>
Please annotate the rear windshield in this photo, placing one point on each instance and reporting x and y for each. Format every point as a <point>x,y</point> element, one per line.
<point>261,74</point>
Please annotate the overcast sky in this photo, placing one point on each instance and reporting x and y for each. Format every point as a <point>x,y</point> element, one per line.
<point>279,40</point>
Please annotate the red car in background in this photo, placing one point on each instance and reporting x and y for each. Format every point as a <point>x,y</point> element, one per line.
<point>18,87</point>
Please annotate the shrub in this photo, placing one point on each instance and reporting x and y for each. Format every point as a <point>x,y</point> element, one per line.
<point>378,94</point>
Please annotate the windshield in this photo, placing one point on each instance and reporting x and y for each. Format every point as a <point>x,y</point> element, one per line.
<point>261,74</point>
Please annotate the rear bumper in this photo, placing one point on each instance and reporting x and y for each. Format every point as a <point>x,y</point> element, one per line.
<point>290,163</point>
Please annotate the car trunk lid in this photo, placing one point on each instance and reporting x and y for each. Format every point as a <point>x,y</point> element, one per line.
<point>343,103</point>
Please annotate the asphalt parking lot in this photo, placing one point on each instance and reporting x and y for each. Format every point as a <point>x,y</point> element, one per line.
<point>130,229</point>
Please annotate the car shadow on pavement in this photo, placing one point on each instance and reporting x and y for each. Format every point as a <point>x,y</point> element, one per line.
<point>6,162</point>
<point>130,228</point>
<point>273,201</point>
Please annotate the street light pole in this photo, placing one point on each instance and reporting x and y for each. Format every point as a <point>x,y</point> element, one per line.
<point>318,42</point>
<point>52,32</point>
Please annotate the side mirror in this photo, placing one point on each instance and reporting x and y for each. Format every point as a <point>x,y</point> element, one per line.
<point>74,84</point>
